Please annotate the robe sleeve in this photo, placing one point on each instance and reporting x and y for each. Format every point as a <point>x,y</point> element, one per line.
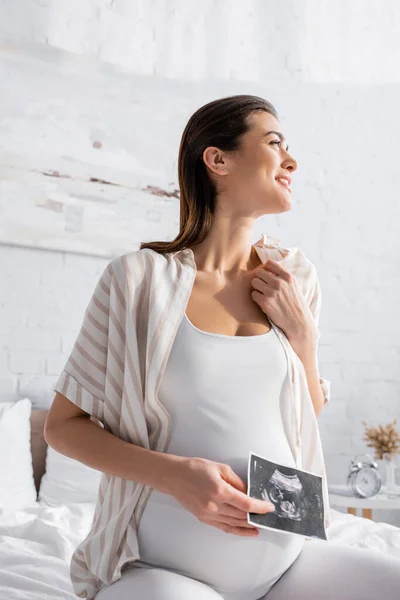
<point>84,376</point>
<point>315,307</point>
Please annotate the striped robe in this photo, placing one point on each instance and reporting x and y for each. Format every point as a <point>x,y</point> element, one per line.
<point>114,372</point>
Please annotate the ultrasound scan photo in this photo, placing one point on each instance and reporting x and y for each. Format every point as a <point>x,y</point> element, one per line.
<point>296,495</point>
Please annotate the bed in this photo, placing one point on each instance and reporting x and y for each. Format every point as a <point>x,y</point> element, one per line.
<point>36,542</point>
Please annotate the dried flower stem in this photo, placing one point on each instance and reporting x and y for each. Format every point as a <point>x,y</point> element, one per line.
<point>382,439</point>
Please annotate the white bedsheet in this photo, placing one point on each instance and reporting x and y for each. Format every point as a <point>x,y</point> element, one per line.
<point>36,545</point>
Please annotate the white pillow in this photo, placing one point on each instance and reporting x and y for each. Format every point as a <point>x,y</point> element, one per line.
<point>67,480</point>
<point>17,485</point>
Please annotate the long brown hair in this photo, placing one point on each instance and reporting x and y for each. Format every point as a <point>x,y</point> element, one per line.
<point>219,123</point>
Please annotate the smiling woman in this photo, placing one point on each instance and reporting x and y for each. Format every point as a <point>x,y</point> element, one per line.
<point>188,398</point>
<point>231,155</point>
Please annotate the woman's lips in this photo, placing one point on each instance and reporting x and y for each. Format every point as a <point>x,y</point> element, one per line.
<point>285,185</point>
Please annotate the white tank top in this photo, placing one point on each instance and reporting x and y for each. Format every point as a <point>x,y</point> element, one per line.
<point>223,395</point>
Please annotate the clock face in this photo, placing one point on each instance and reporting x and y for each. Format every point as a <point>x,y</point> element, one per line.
<point>367,481</point>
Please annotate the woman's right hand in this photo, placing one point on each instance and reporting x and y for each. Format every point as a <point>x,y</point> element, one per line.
<point>215,495</point>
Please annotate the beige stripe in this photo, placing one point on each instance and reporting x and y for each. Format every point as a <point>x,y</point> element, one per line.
<point>113,397</point>
<point>140,324</point>
<point>124,432</point>
<point>86,355</point>
<point>102,545</point>
<point>116,537</point>
<point>108,271</point>
<point>136,279</point>
<point>96,323</point>
<point>134,370</point>
<point>117,325</point>
<point>65,386</point>
<point>140,301</point>
<point>116,415</point>
<point>115,385</point>
<point>128,405</point>
<point>134,376</point>
<point>82,564</point>
<point>128,549</point>
<point>116,355</point>
<point>85,375</point>
<point>98,408</point>
<point>88,552</point>
<point>80,552</point>
<point>108,512</point>
<point>102,308</point>
<point>127,274</point>
<point>93,342</point>
<point>79,396</point>
<point>120,294</point>
<point>118,554</point>
<point>95,528</point>
<point>86,579</point>
<point>102,491</point>
<point>95,409</point>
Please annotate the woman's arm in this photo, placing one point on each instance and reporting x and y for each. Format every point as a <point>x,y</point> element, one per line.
<point>309,357</point>
<point>306,346</point>
<point>320,388</point>
<point>70,431</point>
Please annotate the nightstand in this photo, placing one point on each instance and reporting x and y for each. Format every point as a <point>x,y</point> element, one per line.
<point>339,495</point>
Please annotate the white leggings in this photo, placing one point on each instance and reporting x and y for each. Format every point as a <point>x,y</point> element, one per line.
<point>322,570</point>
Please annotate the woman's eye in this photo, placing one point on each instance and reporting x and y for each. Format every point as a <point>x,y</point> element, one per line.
<point>276,142</point>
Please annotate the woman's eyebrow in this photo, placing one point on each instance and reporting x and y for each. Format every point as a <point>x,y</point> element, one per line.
<point>280,136</point>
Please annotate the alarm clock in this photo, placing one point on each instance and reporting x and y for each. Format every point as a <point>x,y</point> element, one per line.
<point>364,479</point>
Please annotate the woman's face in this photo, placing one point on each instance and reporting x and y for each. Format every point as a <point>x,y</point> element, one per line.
<point>252,172</point>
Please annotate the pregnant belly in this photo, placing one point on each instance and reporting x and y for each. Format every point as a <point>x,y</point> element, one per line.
<point>171,537</point>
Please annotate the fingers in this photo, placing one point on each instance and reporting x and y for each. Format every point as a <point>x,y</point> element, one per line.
<point>265,281</point>
<point>229,475</point>
<point>235,518</point>
<point>232,511</point>
<point>234,522</point>
<point>245,530</point>
<point>247,504</point>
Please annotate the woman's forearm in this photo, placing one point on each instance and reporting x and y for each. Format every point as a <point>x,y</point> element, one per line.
<point>81,439</point>
<point>309,357</point>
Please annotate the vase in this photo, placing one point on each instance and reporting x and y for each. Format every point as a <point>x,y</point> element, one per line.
<point>389,460</point>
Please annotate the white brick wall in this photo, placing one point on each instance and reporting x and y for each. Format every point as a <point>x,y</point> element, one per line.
<point>40,317</point>
<point>140,69</point>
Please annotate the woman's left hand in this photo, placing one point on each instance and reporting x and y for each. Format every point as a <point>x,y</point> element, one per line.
<point>279,296</point>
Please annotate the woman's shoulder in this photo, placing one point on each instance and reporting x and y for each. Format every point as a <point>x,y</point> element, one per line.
<point>137,264</point>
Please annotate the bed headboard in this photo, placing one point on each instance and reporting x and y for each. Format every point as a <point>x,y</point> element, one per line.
<point>38,444</point>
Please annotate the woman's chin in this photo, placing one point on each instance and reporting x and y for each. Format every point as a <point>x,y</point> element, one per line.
<point>286,203</point>
<point>288,198</point>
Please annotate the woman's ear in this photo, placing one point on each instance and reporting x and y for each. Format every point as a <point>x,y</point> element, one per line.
<point>214,160</point>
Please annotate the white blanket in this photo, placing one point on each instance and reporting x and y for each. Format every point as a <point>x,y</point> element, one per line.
<point>36,545</point>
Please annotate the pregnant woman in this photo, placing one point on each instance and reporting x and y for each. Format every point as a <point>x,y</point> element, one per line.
<point>193,352</point>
